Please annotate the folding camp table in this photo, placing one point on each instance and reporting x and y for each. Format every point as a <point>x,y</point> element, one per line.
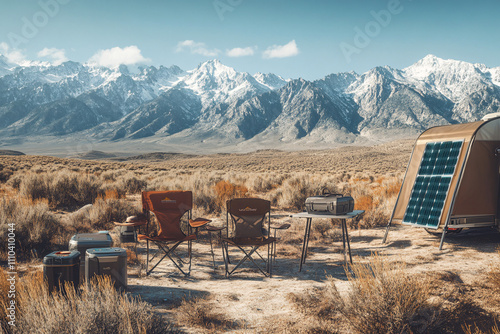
<point>345,234</point>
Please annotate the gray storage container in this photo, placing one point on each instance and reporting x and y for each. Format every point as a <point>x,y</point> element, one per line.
<point>128,234</point>
<point>83,241</point>
<point>60,267</point>
<point>107,261</point>
<point>335,204</point>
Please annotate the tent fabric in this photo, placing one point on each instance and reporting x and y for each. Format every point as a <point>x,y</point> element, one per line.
<point>477,165</point>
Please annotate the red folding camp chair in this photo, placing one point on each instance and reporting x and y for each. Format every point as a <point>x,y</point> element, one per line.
<point>169,208</point>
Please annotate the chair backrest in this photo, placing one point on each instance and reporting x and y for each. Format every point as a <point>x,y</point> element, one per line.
<point>169,207</point>
<point>247,216</point>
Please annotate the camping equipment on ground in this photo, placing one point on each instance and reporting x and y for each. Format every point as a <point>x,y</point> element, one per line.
<point>345,235</point>
<point>110,261</point>
<point>247,218</point>
<point>336,204</point>
<point>127,234</point>
<point>452,178</point>
<point>169,208</point>
<point>128,229</point>
<point>83,241</point>
<point>60,267</point>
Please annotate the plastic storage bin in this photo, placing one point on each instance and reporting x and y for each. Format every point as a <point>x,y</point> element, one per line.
<point>107,261</point>
<point>60,267</point>
<point>83,241</point>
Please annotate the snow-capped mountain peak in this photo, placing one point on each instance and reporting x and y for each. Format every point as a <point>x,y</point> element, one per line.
<point>215,82</point>
<point>270,80</point>
<point>216,103</point>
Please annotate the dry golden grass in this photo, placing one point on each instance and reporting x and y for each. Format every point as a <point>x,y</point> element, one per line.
<point>200,313</point>
<point>36,227</point>
<point>101,215</point>
<point>493,276</point>
<point>98,308</point>
<point>384,298</point>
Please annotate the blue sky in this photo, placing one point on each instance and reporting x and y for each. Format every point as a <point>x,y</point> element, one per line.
<point>292,38</point>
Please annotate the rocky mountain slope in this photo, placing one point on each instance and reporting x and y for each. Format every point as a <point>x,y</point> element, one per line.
<point>214,104</point>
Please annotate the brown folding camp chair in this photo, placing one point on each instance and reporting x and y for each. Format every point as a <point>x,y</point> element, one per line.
<point>248,217</point>
<point>169,208</point>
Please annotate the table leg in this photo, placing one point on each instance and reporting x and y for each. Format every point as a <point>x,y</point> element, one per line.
<point>347,239</point>
<point>306,242</point>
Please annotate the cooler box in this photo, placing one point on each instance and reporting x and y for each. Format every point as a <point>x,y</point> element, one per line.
<point>60,267</point>
<point>107,261</point>
<point>83,241</point>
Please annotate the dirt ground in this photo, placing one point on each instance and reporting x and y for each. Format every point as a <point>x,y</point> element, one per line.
<point>254,300</point>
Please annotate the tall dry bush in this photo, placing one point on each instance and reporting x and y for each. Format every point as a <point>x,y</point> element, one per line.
<point>62,189</point>
<point>295,190</point>
<point>131,183</point>
<point>36,228</point>
<point>200,313</point>
<point>383,297</point>
<point>4,300</point>
<point>98,308</point>
<point>377,197</point>
<point>226,190</point>
<point>101,214</point>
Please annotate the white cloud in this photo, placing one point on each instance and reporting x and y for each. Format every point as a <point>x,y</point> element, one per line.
<point>241,52</point>
<point>116,56</point>
<point>196,48</point>
<point>14,56</point>
<point>57,56</point>
<point>281,51</point>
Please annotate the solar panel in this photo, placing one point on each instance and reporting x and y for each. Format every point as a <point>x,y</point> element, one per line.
<point>432,183</point>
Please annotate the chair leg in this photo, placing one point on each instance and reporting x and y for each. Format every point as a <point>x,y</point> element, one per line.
<point>147,258</point>
<point>168,251</point>
<point>225,255</point>
<point>212,250</point>
<point>247,256</point>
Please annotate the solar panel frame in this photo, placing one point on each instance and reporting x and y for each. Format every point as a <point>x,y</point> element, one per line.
<point>432,183</point>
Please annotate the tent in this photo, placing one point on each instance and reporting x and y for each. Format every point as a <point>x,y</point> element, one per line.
<point>452,179</point>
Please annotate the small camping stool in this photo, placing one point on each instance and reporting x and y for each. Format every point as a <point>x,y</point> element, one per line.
<point>275,227</point>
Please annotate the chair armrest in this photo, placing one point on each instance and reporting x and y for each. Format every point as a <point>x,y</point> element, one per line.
<point>198,222</point>
<point>284,226</point>
<point>134,224</point>
<point>211,228</point>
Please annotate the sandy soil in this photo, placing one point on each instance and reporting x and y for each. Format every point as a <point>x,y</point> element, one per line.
<point>254,300</point>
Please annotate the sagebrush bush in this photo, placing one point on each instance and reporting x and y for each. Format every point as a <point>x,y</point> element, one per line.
<point>132,184</point>
<point>200,313</point>
<point>5,173</point>
<point>101,214</point>
<point>295,190</point>
<point>383,298</point>
<point>98,308</point>
<point>62,189</point>
<point>226,190</point>
<point>35,226</point>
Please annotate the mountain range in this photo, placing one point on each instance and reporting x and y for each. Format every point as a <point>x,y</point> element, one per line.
<point>214,107</point>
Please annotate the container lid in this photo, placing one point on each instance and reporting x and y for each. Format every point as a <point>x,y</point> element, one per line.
<point>108,251</point>
<point>62,257</point>
<point>102,239</point>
